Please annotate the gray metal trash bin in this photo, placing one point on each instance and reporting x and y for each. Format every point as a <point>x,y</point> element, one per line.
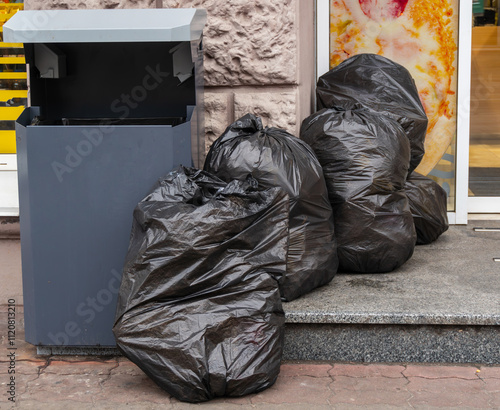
<point>116,102</point>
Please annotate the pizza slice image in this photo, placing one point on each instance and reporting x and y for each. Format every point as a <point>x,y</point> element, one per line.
<point>420,35</point>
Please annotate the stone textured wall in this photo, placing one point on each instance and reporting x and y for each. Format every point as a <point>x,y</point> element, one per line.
<point>251,57</point>
<point>88,4</point>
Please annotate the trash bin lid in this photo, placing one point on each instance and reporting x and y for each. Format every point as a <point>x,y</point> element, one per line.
<point>110,25</point>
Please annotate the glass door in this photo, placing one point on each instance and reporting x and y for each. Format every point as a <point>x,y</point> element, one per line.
<point>484,153</point>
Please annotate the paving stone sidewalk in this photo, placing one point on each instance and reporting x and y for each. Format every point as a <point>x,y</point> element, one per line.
<point>80,382</point>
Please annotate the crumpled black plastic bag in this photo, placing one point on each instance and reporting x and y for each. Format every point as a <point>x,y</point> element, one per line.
<point>365,159</point>
<point>199,309</point>
<point>428,205</point>
<point>277,159</point>
<point>381,85</point>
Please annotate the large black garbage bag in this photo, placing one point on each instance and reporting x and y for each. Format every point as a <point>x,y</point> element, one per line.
<point>428,205</point>
<point>365,161</point>
<point>277,159</point>
<point>199,309</point>
<point>381,85</point>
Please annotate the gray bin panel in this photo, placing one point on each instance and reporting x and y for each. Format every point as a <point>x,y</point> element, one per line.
<point>78,187</point>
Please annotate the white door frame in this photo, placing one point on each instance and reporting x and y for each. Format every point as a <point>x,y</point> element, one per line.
<point>463,110</point>
<point>9,201</point>
<point>322,37</point>
<point>463,94</point>
<point>483,205</point>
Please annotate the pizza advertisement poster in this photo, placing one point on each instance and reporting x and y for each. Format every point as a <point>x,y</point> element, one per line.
<point>422,36</point>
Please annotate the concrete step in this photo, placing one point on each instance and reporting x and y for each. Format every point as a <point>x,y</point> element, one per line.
<point>443,305</point>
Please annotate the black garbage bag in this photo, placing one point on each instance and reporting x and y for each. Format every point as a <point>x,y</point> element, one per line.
<point>365,159</point>
<point>428,205</point>
<point>381,85</point>
<point>277,159</point>
<point>199,309</point>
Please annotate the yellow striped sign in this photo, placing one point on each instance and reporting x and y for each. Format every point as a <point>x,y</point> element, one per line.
<point>12,60</point>
<point>10,113</point>
<point>7,142</point>
<point>13,75</point>
<point>6,95</point>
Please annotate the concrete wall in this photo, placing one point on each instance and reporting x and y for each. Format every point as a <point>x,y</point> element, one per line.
<point>259,57</point>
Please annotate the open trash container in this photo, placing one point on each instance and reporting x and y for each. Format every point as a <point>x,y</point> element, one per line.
<point>116,103</point>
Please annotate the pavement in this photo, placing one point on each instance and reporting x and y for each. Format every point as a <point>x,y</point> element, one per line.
<point>85,382</point>
<point>77,382</point>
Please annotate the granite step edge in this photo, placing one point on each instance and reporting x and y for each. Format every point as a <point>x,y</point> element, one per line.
<point>403,318</point>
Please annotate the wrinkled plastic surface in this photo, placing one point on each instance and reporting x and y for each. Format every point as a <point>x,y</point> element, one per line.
<point>381,85</point>
<point>199,309</point>
<point>277,159</point>
<point>365,159</point>
<point>428,205</point>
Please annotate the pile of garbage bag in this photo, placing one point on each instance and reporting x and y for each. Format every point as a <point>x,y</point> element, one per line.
<point>199,309</point>
<point>365,158</point>
<point>428,203</point>
<point>381,85</point>
<point>214,252</point>
<point>277,159</point>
